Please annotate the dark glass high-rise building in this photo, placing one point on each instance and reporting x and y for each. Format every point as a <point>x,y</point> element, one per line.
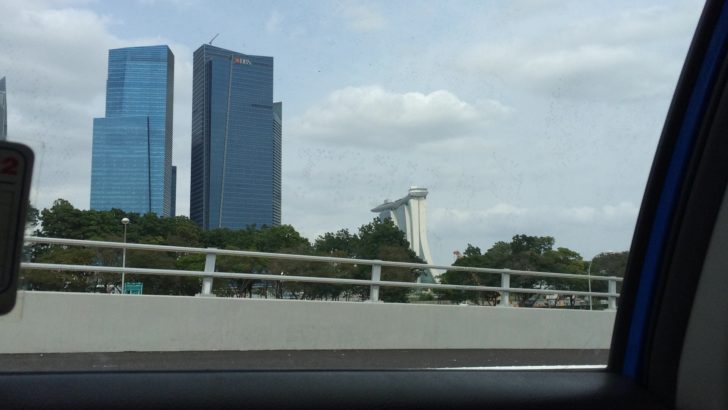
<point>236,141</point>
<point>131,165</point>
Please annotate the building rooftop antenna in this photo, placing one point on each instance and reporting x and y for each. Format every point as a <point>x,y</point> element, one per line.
<point>213,38</point>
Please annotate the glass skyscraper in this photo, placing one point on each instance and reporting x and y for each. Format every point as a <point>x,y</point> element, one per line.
<point>3,111</point>
<point>131,165</point>
<point>236,141</point>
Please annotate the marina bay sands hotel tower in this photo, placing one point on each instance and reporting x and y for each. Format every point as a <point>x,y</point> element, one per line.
<point>410,216</point>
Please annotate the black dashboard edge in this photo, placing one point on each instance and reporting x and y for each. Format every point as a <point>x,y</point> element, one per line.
<point>326,389</point>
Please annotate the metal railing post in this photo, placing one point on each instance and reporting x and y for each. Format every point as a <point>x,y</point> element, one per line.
<point>506,284</point>
<point>612,299</point>
<point>376,277</point>
<point>210,259</point>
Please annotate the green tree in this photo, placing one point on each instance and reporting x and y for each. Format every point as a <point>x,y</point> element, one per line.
<point>64,221</point>
<point>471,257</point>
<point>32,217</point>
<point>379,239</point>
<point>607,264</point>
<point>274,239</point>
<point>341,242</point>
<point>523,252</point>
<point>610,263</point>
<point>375,240</point>
<point>52,280</point>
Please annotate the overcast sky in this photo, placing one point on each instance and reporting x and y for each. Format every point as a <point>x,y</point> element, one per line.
<point>534,117</point>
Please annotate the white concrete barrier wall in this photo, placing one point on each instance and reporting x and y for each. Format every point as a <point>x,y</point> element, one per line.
<point>50,322</point>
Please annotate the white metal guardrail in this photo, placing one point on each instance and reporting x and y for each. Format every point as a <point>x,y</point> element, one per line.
<point>208,274</point>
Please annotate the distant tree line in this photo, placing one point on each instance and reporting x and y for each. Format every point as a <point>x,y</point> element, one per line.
<point>529,253</point>
<point>379,239</point>
<point>375,240</point>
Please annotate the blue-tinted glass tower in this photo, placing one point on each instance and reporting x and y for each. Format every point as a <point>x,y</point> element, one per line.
<point>236,141</point>
<point>131,165</point>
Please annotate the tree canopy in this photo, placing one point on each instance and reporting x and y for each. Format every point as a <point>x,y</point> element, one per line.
<point>375,240</point>
<point>378,239</point>
<point>523,252</point>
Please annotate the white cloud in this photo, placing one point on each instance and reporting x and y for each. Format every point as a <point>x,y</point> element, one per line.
<point>173,3</point>
<point>273,24</point>
<point>579,214</point>
<point>589,229</point>
<point>604,214</point>
<point>591,71</point>
<point>441,216</point>
<point>621,210</point>
<point>632,55</point>
<point>651,24</point>
<point>373,117</point>
<point>359,17</point>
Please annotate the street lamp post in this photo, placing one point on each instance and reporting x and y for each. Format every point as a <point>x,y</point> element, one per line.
<point>588,273</point>
<point>125,222</point>
<point>601,272</point>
